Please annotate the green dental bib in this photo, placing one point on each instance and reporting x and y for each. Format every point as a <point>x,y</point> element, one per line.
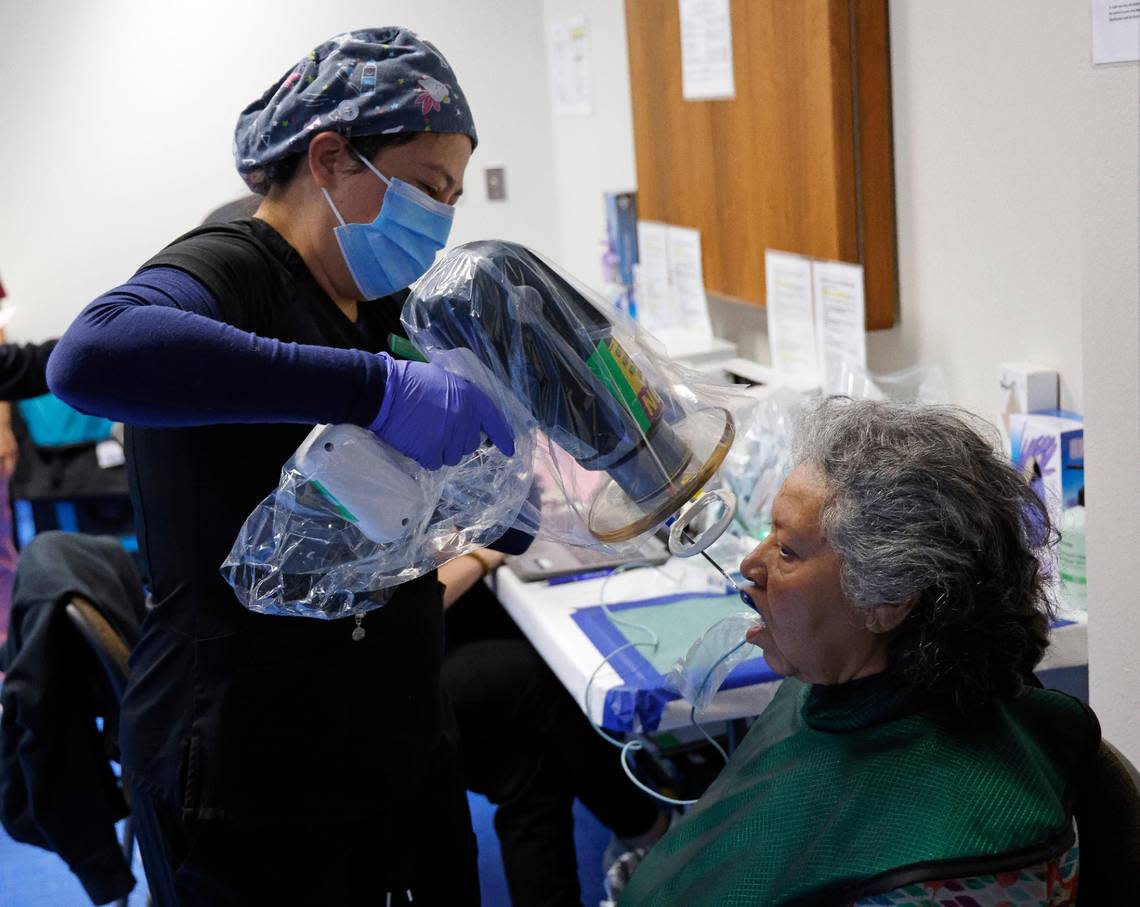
<point>845,791</point>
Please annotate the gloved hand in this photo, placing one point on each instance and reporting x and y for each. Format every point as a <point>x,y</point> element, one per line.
<point>436,417</point>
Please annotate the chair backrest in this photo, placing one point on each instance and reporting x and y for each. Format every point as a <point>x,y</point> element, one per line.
<point>112,652</point>
<point>1108,819</point>
<point>1124,765</point>
<point>105,641</point>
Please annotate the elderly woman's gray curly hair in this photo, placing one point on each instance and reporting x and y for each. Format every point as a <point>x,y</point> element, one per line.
<point>920,504</point>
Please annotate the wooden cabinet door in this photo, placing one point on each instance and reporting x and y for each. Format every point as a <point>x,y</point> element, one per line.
<point>799,160</point>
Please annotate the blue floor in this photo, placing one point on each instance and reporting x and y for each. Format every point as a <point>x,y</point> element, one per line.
<point>30,877</point>
<point>590,838</point>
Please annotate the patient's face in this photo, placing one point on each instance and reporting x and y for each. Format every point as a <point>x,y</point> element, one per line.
<point>813,631</point>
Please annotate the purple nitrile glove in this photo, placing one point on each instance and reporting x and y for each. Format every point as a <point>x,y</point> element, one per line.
<point>436,417</point>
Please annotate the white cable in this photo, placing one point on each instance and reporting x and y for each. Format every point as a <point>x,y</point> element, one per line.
<point>636,744</point>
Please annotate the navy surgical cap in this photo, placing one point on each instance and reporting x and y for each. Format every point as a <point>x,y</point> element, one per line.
<point>375,81</point>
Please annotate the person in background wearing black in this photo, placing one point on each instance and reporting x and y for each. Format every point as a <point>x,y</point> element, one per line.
<point>23,370</point>
<point>529,749</point>
<point>23,374</point>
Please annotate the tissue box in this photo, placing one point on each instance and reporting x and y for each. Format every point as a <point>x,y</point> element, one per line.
<point>1049,449</point>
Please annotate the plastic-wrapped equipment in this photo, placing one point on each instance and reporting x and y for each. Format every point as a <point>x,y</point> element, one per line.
<point>624,433</point>
<point>917,384</point>
<point>352,518</point>
<point>762,457</point>
<point>618,436</point>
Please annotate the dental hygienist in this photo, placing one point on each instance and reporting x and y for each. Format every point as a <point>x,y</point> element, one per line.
<point>275,760</point>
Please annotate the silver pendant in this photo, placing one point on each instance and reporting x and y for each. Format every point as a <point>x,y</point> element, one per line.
<point>358,631</point>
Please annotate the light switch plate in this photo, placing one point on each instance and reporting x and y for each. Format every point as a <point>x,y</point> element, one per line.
<point>496,183</point>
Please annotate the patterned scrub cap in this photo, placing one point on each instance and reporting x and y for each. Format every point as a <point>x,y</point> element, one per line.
<point>367,82</point>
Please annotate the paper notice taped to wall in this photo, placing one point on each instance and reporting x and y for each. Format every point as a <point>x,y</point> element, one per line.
<point>655,308</point>
<point>687,278</point>
<point>568,56</point>
<point>671,279</point>
<point>1115,31</point>
<point>706,50</point>
<point>840,320</point>
<point>791,317</point>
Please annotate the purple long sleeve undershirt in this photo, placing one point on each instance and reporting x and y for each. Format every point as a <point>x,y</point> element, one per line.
<point>154,352</point>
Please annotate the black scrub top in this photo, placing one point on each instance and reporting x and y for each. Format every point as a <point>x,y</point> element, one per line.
<point>233,715</point>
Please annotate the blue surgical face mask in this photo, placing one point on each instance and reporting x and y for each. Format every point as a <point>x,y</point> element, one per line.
<point>396,249</point>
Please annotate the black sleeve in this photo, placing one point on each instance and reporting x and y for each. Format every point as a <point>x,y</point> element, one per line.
<point>233,267</point>
<point>23,369</point>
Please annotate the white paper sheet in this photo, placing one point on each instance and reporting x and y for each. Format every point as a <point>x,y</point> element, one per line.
<point>791,318</point>
<point>706,50</point>
<point>840,320</point>
<point>655,309</point>
<point>1115,31</point>
<point>571,77</point>
<point>687,279</point>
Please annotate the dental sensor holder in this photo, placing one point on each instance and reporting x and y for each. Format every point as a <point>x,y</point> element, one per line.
<point>691,533</point>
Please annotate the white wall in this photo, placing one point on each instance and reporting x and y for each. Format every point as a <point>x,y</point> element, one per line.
<point>118,120</point>
<point>1110,291</point>
<point>593,154</point>
<point>987,131</point>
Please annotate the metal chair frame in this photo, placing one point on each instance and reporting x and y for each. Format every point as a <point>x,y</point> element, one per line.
<point>112,652</point>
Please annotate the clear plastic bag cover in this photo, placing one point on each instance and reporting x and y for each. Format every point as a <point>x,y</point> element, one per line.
<point>625,435</point>
<point>917,384</point>
<point>760,460</point>
<point>340,533</point>
<point>712,656</point>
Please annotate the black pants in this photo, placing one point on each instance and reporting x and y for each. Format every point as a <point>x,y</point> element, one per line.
<point>215,864</point>
<point>529,749</point>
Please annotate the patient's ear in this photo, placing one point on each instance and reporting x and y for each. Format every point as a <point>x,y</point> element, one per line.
<point>887,618</point>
